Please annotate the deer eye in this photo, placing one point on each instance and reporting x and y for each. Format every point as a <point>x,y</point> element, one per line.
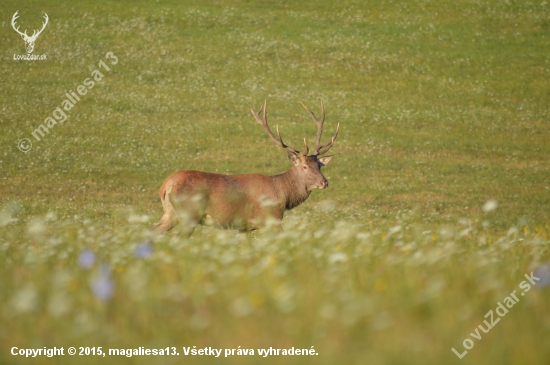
<point>305,167</point>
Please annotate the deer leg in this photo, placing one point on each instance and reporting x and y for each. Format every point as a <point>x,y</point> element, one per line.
<point>166,223</point>
<point>169,219</point>
<point>190,211</point>
<point>187,229</point>
<point>245,234</point>
<point>273,229</point>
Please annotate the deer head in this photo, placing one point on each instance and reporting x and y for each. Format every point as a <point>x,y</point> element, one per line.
<point>307,168</point>
<point>29,41</point>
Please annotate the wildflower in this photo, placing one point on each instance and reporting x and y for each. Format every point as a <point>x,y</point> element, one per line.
<point>489,206</point>
<point>25,299</point>
<point>86,258</point>
<point>144,249</point>
<point>241,307</point>
<point>543,272</point>
<point>338,257</point>
<point>36,227</point>
<point>103,286</point>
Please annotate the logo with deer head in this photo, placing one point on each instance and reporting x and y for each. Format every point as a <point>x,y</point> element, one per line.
<point>29,40</point>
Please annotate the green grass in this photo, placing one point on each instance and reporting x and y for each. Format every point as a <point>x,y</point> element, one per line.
<point>442,105</point>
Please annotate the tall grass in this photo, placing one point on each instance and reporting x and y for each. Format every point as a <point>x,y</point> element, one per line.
<point>401,294</point>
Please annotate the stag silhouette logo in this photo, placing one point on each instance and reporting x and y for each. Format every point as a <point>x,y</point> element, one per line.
<point>29,40</point>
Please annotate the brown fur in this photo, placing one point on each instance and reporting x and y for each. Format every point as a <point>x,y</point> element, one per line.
<point>237,201</point>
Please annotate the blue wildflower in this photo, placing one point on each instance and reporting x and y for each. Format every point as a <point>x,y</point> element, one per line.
<point>144,249</point>
<point>86,258</point>
<point>103,286</point>
<point>543,273</point>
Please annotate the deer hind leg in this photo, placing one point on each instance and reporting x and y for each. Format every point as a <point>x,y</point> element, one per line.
<point>165,223</point>
<point>183,210</point>
<point>169,218</point>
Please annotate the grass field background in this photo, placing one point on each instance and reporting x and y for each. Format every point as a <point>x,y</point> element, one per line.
<point>443,106</point>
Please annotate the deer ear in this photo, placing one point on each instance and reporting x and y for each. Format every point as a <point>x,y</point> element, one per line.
<point>293,157</point>
<point>325,160</point>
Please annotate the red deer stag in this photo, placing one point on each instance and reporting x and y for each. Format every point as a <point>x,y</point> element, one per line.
<point>244,201</point>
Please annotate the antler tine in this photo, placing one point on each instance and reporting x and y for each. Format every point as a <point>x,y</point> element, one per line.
<point>322,149</point>
<point>319,124</point>
<point>264,108</point>
<point>263,122</point>
<point>307,148</point>
<point>13,19</point>
<point>279,135</point>
<point>36,33</point>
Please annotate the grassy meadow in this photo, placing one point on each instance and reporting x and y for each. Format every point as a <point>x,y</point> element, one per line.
<point>439,196</point>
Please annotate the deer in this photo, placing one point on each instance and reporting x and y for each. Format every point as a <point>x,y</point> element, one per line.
<point>245,202</point>
<point>29,41</point>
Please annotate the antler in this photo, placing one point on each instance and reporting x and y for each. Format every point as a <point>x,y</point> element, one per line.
<point>36,33</point>
<point>13,19</point>
<point>321,149</point>
<point>263,122</point>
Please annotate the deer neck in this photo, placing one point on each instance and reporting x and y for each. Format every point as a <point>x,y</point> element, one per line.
<point>292,188</point>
